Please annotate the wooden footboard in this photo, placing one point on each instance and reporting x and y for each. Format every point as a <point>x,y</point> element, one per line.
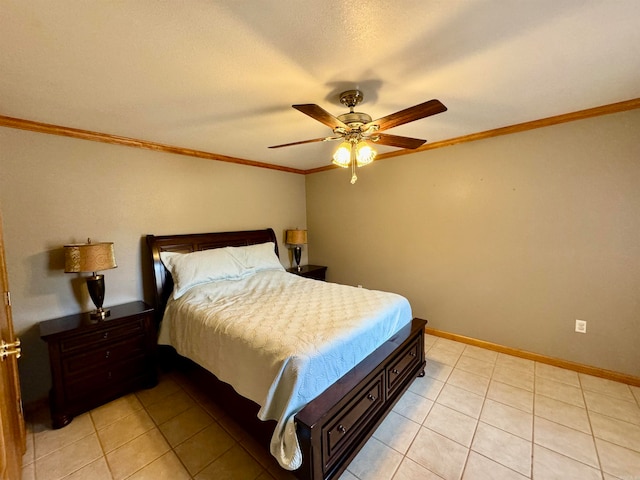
<point>335,426</point>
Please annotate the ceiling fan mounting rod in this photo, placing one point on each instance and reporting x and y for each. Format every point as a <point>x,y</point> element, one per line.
<point>351,98</point>
<point>354,120</point>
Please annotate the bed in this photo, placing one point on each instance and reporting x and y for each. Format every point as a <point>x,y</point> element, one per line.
<point>328,423</point>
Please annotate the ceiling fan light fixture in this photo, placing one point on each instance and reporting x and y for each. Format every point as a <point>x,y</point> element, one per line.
<point>365,153</point>
<point>342,157</point>
<point>356,128</point>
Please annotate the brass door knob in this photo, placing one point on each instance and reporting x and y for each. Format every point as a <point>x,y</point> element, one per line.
<point>7,349</point>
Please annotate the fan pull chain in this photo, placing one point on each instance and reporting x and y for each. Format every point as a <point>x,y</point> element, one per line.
<point>354,177</point>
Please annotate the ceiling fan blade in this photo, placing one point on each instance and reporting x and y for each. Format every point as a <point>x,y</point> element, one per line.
<point>397,141</point>
<point>323,139</point>
<point>320,114</point>
<point>407,115</point>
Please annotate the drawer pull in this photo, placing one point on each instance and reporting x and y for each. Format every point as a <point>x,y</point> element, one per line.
<point>107,354</point>
<point>371,397</point>
<point>109,375</point>
<point>395,371</point>
<point>412,354</point>
<point>105,335</point>
<point>341,429</point>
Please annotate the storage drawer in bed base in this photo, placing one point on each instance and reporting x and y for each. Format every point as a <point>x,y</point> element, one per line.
<point>351,420</point>
<point>333,428</point>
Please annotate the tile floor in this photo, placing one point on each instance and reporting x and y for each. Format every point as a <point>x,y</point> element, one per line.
<point>477,414</point>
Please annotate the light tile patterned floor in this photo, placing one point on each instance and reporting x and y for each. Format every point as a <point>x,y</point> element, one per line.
<point>477,414</point>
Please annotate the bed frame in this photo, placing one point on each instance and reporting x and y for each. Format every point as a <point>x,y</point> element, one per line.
<point>333,427</point>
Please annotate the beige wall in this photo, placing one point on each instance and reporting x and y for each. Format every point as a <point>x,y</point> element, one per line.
<point>56,190</point>
<point>508,240</point>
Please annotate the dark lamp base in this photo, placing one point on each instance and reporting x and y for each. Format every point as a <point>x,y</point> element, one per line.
<point>95,285</point>
<point>100,314</point>
<point>297,254</point>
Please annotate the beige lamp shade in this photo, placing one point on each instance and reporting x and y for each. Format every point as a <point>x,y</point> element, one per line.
<point>296,237</point>
<point>89,257</point>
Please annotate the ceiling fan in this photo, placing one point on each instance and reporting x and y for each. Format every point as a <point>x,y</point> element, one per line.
<point>356,128</point>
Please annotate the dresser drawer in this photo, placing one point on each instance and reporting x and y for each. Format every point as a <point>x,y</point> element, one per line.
<point>105,377</point>
<point>107,353</point>
<point>351,420</point>
<point>403,364</point>
<point>319,274</point>
<point>106,393</point>
<point>103,336</point>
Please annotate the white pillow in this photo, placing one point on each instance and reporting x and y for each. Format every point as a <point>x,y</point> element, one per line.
<point>191,269</point>
<point>261,256</point>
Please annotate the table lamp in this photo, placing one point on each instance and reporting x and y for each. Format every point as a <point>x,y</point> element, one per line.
<point>296,238</point>
<point>91,257</point>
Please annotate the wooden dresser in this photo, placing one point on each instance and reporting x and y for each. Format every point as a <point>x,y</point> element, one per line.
<point>94,362</point>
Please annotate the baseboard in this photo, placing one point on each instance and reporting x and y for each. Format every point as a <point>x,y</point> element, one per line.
<point>556,362</point>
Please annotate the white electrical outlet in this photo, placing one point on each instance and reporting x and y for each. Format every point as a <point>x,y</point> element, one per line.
<point>581,326</point>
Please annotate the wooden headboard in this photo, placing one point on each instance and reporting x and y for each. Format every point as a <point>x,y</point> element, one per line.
<point>163,282</point>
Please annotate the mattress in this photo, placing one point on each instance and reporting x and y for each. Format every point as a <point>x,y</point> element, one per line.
<point>281,339</point>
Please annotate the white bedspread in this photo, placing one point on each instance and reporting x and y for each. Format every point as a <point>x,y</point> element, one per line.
<point>281,340</point>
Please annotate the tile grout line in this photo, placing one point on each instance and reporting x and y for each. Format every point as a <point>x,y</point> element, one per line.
<point>588,414</point>
<point>172,448</point>
<point>530,475</point>
<point>221,425</point>
<point>404,456</point>
<point>475,430</point>
<point>533,420</point>
<point>593,433</point>
<point>430,409</point>
<point>125,443</point>
<point>480,414</point>
<point>157,427</point>
<point>104,454</point>
<point>56,450</point>
<point>421,425</point>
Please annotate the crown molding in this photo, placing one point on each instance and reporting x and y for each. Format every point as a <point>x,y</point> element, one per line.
<point>23,124</point>
<point>520,127</point>
<point>51,129</point>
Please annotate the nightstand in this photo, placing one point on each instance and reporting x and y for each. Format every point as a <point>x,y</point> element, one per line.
<point>94,362</point>
<point>316,272</point>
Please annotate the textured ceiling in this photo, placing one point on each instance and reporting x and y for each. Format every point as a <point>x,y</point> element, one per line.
<point>221,76</point>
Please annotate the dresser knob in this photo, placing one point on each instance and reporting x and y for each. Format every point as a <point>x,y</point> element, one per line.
<point>109,375</point>
<point>412,354</point>
<point>107,354</point>
<point>371,397</point>
<point>395,371</point>
<point>341,429</point>
<point>105,335</point>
